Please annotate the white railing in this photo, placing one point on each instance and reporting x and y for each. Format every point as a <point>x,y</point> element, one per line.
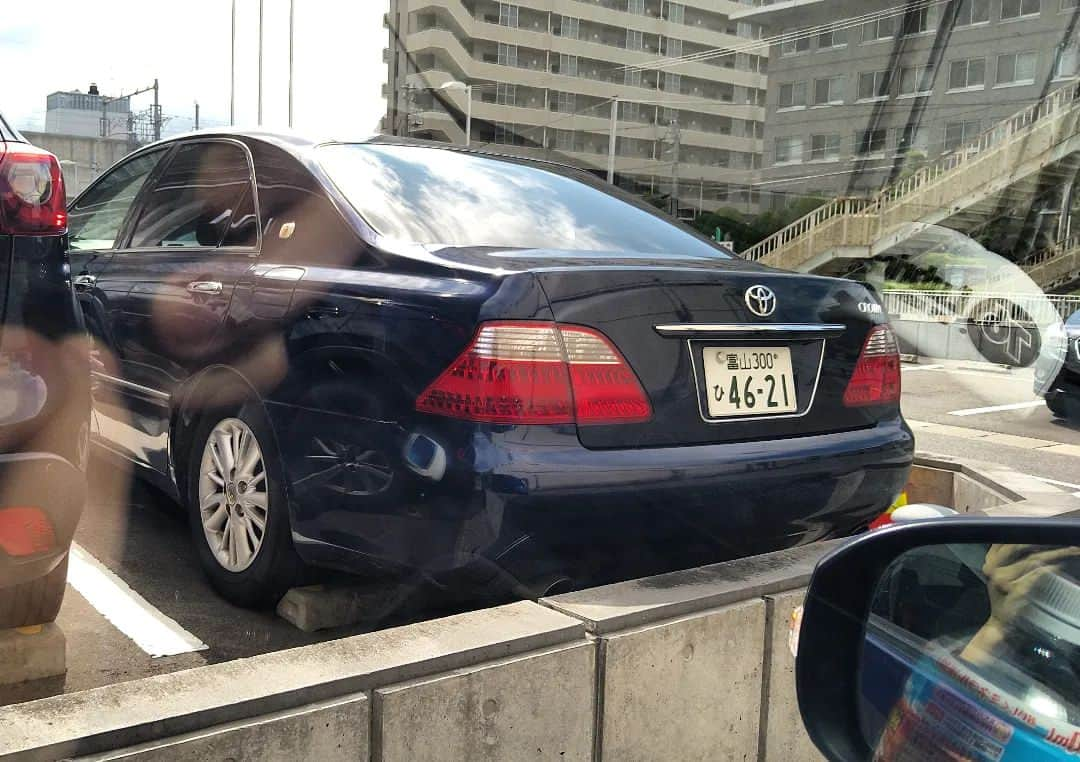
<point>1005,133</point>
<point>800,227</point>
<point>936,305</point>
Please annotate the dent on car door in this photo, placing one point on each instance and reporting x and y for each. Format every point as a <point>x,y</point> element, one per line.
<point>169,287</point>
<point>96,220</point>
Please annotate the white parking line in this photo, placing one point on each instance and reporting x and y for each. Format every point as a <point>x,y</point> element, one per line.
<point>912,368</point>
<point>998,408</point>
<point>1056,483</point>
<point>129,612</point>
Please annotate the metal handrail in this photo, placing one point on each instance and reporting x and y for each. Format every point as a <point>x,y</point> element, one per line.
<point>835,208</point>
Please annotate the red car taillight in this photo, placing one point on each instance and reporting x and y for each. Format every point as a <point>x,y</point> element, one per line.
<point>25,531</point>
<point>32,198</point>
<point>876,379</point>
<point>531,372</point>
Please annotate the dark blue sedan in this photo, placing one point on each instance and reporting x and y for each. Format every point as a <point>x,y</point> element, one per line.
<point>396,356</point>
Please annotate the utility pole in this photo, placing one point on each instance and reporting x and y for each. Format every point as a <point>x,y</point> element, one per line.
<point>292,35</point>
<point>232,68</point>
<point>612,139</point>
<point>260,62</point>
<point>675,165</point>
<point>196,115</point>
<point>157,112</point>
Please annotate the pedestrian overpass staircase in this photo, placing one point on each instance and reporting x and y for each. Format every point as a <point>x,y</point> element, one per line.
<point>1013,152</point>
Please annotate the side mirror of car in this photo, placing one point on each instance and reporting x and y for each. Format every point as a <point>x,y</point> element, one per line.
<point>945,640</point>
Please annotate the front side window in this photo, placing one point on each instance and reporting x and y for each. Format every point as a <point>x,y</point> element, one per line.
<point>95,221</point>
<point>195,200</point>
<point>1017,68</point>
<point>446,198</point>
<point>967,74</point>
<point>1013,9</point>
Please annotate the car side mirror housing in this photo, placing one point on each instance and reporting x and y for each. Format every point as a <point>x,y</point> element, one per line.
<point>944,640</point>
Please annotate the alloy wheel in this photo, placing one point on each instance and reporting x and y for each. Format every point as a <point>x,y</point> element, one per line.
<point>233,494</point>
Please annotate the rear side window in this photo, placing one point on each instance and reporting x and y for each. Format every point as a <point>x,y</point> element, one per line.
<point>449,198</point>
<point>203,196</point>
<point>94,221</point>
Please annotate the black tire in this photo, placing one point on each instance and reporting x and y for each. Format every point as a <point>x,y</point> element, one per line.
<point>34,602</point>
<point>1057,407</point>
<point>276,566</point>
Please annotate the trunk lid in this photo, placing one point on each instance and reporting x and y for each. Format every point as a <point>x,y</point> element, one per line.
<point>663,317</point>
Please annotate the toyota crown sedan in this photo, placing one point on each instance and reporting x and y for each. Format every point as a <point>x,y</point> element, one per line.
<point>394,356</point>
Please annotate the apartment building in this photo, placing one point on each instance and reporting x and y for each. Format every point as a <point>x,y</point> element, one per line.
<point>543,75</point>
<point>864,91</point>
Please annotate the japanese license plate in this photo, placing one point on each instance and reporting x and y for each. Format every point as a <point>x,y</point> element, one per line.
<point>744,381</point>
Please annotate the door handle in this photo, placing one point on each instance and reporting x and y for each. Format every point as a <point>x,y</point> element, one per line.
<point>84,281</point>
<point>204,287</point>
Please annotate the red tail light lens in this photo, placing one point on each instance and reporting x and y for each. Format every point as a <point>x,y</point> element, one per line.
<point>25,531</point>
<point>876,379</point>
<point>531,372</point>
<point>32,200</point>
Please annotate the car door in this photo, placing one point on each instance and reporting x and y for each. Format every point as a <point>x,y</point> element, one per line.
<point>95,222</point>
<point>168,287</point>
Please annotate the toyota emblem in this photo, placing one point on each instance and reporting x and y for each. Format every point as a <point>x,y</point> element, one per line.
<point>761,300</point>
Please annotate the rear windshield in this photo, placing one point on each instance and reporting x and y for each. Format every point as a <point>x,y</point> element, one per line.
<point>447,198</point>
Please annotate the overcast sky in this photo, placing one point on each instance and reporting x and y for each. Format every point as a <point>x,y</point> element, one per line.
<point>122,45</point>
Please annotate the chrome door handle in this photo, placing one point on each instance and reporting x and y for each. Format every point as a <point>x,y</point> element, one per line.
<point>205,287</point>
<point>84,281</point>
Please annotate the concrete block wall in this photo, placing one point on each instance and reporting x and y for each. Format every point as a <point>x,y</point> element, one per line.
<point>693,665</point>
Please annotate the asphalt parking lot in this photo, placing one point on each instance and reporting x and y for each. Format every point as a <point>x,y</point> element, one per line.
<point>137,603</point>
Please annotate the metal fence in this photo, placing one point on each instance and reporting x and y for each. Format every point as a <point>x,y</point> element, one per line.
<point>984,306</point>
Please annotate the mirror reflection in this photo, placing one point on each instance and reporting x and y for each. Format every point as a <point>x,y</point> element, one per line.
<point>972,652</point>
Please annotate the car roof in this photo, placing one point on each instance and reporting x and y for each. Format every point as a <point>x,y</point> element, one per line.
<point>299,143</point>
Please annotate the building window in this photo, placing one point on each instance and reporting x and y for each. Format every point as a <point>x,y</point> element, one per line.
<point>973,12</point>
<point>873,85</point>
<point>508,15</point>
<point>1067,61</point>
<point>568,65</point>
<point>673,48</point>
<point>508,55</point>
<point>632,77</point>
<point>880,29</point>
<point>794,41</point>
<point>506,94</point>
<point>568,26</point>
<point>631,112</point>
<point>829,91</point>
<point>1017,68</point>
<point>1014,9</point>
<point>676,13</point>
<point>834,38</point>
<point>564,140</point>
<point>967,74</point>
<point>504,133</point>
<point>912,139</point>
<point>916,80</point>
<point>960,133</point>
<point>870,142</point>
<point>566,103</point>
<point>635,6</point>
<point>824,147</point>
<point>672,82</point>
<point>921,20</point>
<point>788,150</point>
<point>792,95</point>
<point>635,39</point>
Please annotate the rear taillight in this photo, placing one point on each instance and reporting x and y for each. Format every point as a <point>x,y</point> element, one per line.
<point>32,198</point>
<point>876,379</point>
<point>25,531</point>
<point>531,372</point>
